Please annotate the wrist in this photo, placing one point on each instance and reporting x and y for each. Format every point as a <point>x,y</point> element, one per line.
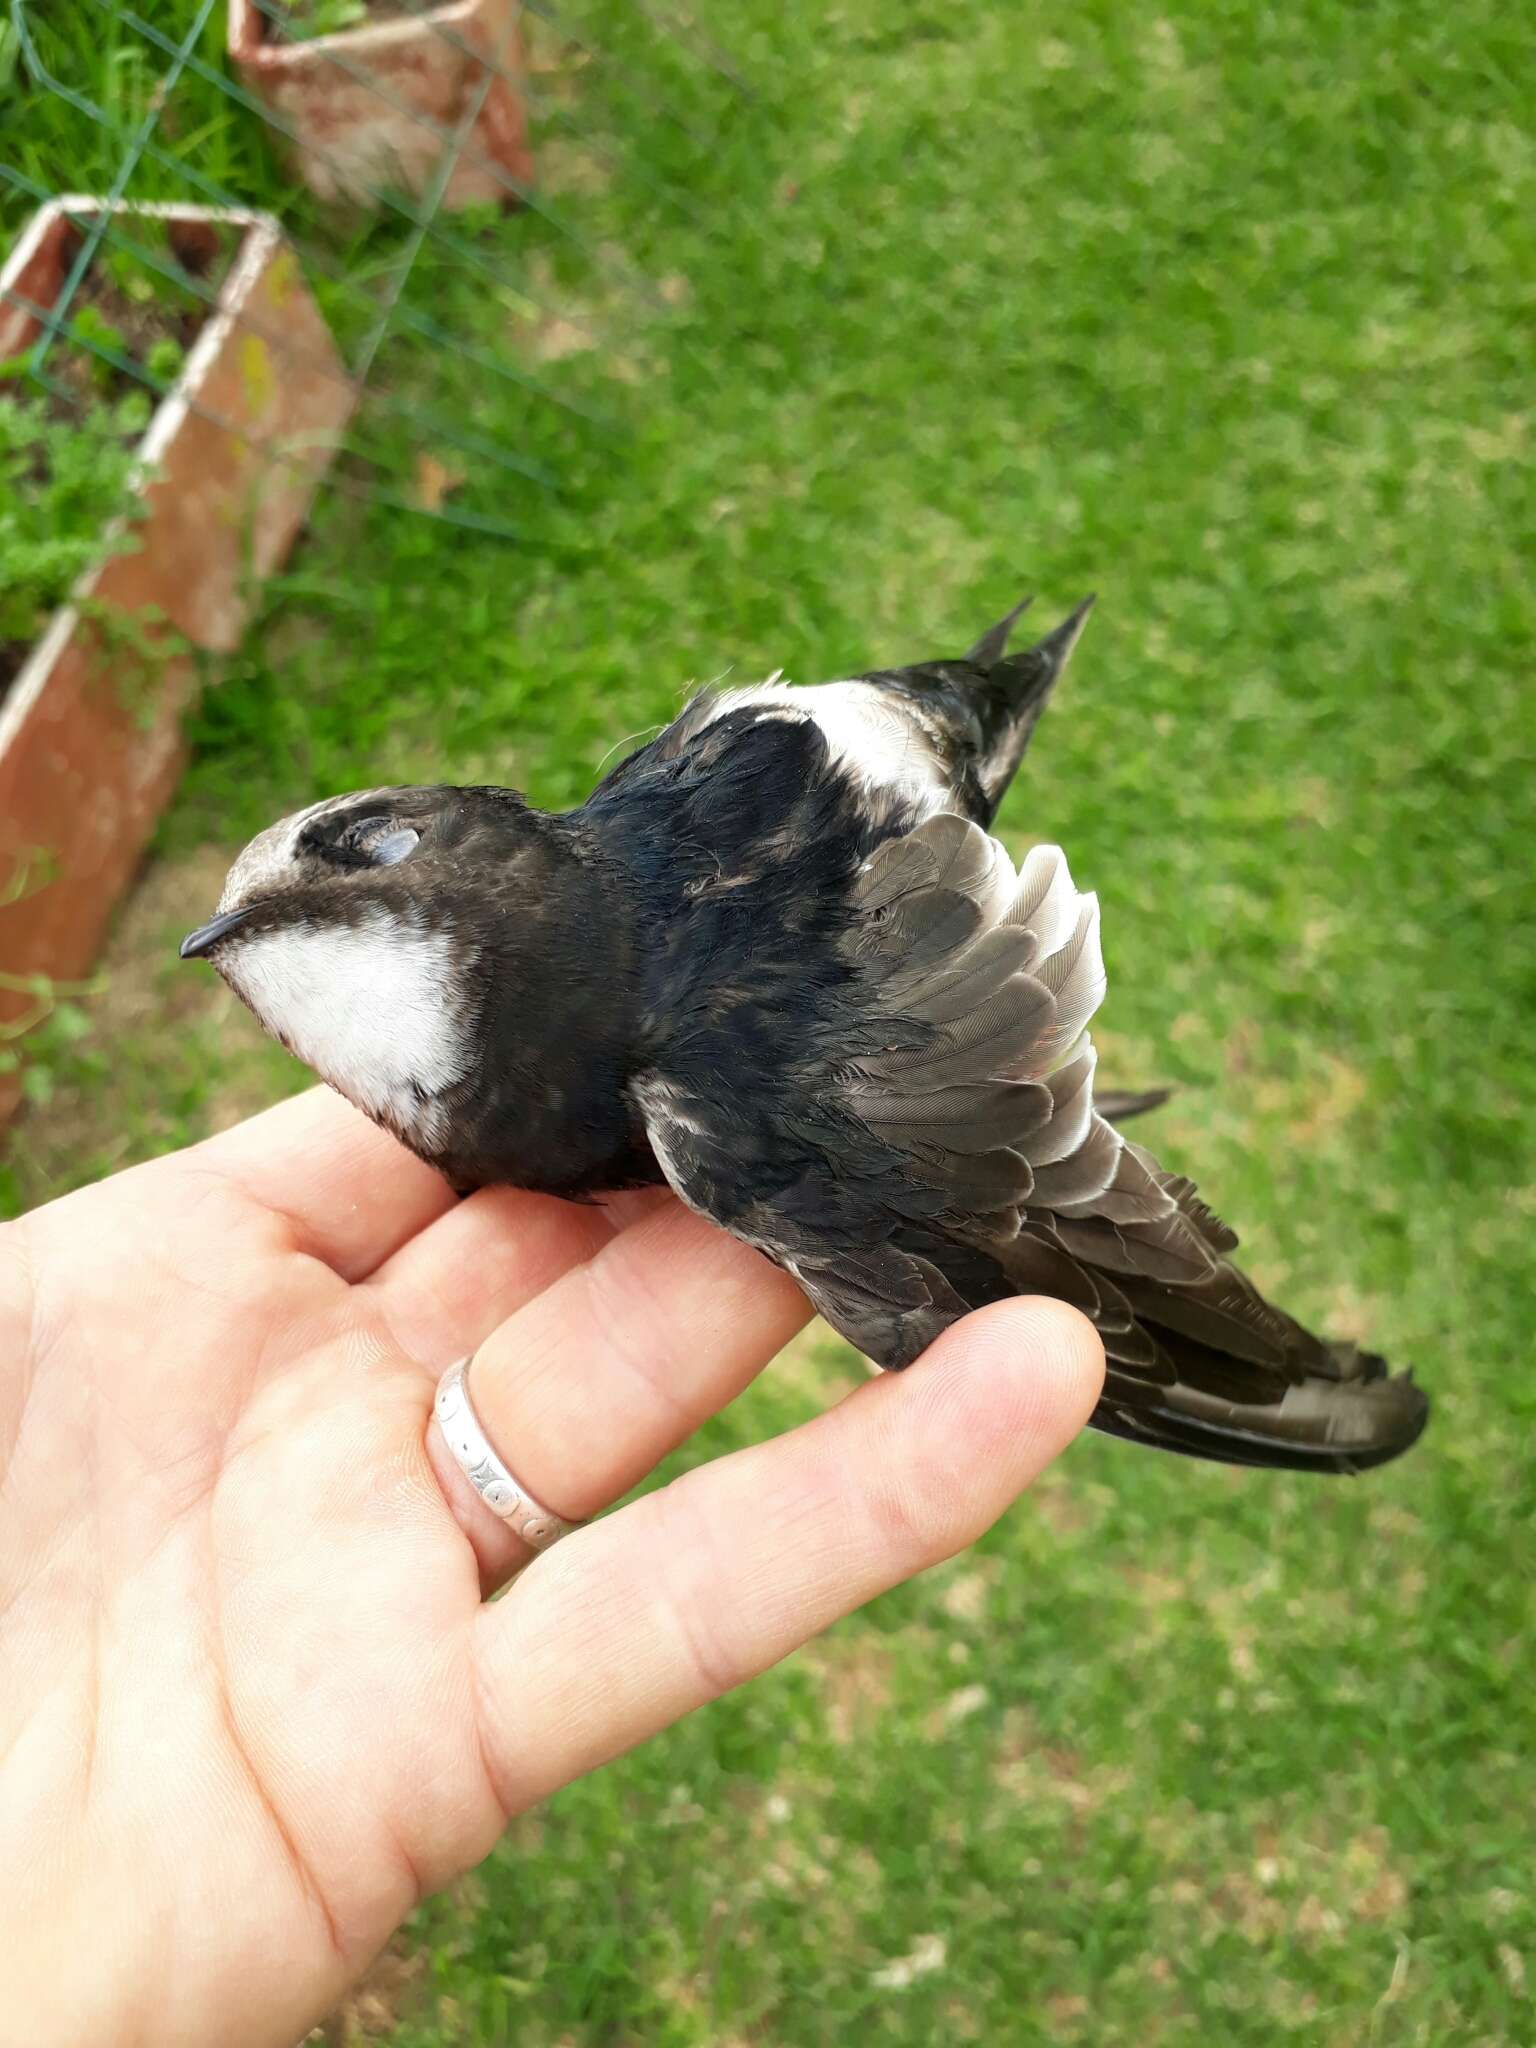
<point>111,1939</point>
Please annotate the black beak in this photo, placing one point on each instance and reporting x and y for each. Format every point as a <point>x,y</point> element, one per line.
<point>207,936</point>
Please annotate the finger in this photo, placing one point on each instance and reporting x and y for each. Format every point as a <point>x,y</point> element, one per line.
<point>445,1291</point>
<point>584,1390</point>
<point>624,1627</point>
<point>352,1193</point>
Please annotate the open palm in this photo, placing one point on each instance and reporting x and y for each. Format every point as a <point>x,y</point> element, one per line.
<point>253,1703</point>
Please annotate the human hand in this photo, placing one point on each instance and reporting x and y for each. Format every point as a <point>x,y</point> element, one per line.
<point>252,1705</point>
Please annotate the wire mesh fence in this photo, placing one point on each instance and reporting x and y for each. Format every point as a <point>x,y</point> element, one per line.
<point>264,260</point>
<point>397,145</point>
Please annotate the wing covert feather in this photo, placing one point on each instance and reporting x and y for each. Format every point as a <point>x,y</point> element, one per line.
<point>933,1145</point>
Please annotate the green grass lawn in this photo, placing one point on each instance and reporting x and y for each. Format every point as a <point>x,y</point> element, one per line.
<point>1226,314</point>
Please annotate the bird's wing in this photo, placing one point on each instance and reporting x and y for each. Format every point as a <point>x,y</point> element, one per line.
<point>933,1145</point>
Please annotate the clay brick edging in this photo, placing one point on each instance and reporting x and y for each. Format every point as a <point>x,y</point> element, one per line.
<point>90,736</point>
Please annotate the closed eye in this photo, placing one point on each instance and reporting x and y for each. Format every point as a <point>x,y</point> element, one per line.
<point>366,843</point>
<point>393,845</point>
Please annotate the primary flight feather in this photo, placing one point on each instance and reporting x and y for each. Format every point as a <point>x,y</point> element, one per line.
<point>777,960</point>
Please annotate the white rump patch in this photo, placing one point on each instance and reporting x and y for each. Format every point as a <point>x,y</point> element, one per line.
<point>870,733</point>
<point>369,1006</point>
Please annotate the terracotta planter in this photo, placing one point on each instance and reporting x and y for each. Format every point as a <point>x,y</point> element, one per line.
<point>90,734</point>
<point>372,107</point>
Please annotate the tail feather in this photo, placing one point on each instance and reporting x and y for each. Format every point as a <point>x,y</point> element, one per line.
<point>993,644</point>
<point>1016,692</point>
<point>978,710</point>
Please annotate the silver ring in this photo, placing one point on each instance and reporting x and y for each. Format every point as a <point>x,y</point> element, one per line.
<point>471,1450</point>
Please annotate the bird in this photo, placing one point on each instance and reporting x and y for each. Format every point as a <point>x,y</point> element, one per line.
<point>779,961</point>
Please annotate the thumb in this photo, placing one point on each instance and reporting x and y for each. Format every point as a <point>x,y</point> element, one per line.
<point>635,1621</point>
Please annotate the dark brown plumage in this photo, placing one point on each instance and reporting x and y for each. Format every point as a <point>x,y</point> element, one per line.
<point>777,959</point>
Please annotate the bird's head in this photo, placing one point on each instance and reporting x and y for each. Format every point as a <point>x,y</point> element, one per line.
<point>368,931</point>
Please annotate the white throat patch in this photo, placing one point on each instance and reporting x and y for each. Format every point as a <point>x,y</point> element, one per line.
<point>369,1006</point>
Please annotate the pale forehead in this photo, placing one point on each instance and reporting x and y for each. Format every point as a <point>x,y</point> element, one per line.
<point>268,859</point>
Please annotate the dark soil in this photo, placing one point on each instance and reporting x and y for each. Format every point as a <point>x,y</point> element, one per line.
<point>83,377</point>
<point>12,654</point>
<point>301,21</point>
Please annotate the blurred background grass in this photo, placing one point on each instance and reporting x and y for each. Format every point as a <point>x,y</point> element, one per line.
<point>1226,312</point>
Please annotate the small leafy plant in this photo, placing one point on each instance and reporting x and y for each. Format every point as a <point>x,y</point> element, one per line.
<point>304,21</point>
<point>153,278</point>
<point>105,345</point>
<point>66,458</point>
<point>61,481</point>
